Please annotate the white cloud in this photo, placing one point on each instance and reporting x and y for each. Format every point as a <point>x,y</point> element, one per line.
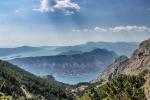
<point>67,6</point>
<point>44,7</point>
<point>129,29</point>
<point>82,30</point>
<point>100,29</point>
<point>116,29</point>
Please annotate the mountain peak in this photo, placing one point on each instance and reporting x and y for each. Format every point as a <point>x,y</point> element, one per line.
<point>145,45</point>
<point>143,50</point>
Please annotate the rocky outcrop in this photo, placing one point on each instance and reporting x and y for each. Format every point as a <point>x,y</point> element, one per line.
<point>114,69</point>
<point>139,61</point>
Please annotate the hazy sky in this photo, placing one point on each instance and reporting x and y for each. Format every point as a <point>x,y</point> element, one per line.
<point>69,22</point>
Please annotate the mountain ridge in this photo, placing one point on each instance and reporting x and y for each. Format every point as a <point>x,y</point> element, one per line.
<point>69,64</point>
<point>121,48</point>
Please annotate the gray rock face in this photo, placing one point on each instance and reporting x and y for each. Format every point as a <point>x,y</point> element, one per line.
<point>139,61</point>
<point>114,69</point>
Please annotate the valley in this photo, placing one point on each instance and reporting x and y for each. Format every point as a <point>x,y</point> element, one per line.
<point>76,66</point>
<point>83,67</point>
<point>119,78</point>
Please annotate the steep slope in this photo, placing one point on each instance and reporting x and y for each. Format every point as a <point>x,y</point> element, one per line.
<point>122,87</point>
<point>114,69</point>
<point>139,61</point>
<point>18,83</point>
<point>76,64</point>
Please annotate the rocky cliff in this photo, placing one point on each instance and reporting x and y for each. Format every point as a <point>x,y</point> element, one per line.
<point>139,61</point>
<point>114,69</point>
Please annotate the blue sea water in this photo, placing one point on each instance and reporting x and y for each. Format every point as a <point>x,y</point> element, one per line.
<point>72,80</point>
<point>77,79</point>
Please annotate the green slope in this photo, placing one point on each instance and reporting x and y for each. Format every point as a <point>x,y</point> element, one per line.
<point>18,83</point>
<point>122,87</point>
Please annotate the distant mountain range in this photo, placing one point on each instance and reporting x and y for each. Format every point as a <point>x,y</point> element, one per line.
<point>121,48</point>
<point>76,64</point>
<point>71,52</point>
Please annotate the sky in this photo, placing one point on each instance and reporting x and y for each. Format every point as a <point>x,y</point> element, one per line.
<point>70,22</point>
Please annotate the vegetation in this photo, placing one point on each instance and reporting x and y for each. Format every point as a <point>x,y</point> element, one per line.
<point>3,96</point>
<point>90,95</point>
<point>17,83</point>
<point>120,88</point>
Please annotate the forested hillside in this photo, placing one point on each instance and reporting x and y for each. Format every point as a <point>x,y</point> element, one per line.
<point>120,88</point>
<point>18,84</point>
